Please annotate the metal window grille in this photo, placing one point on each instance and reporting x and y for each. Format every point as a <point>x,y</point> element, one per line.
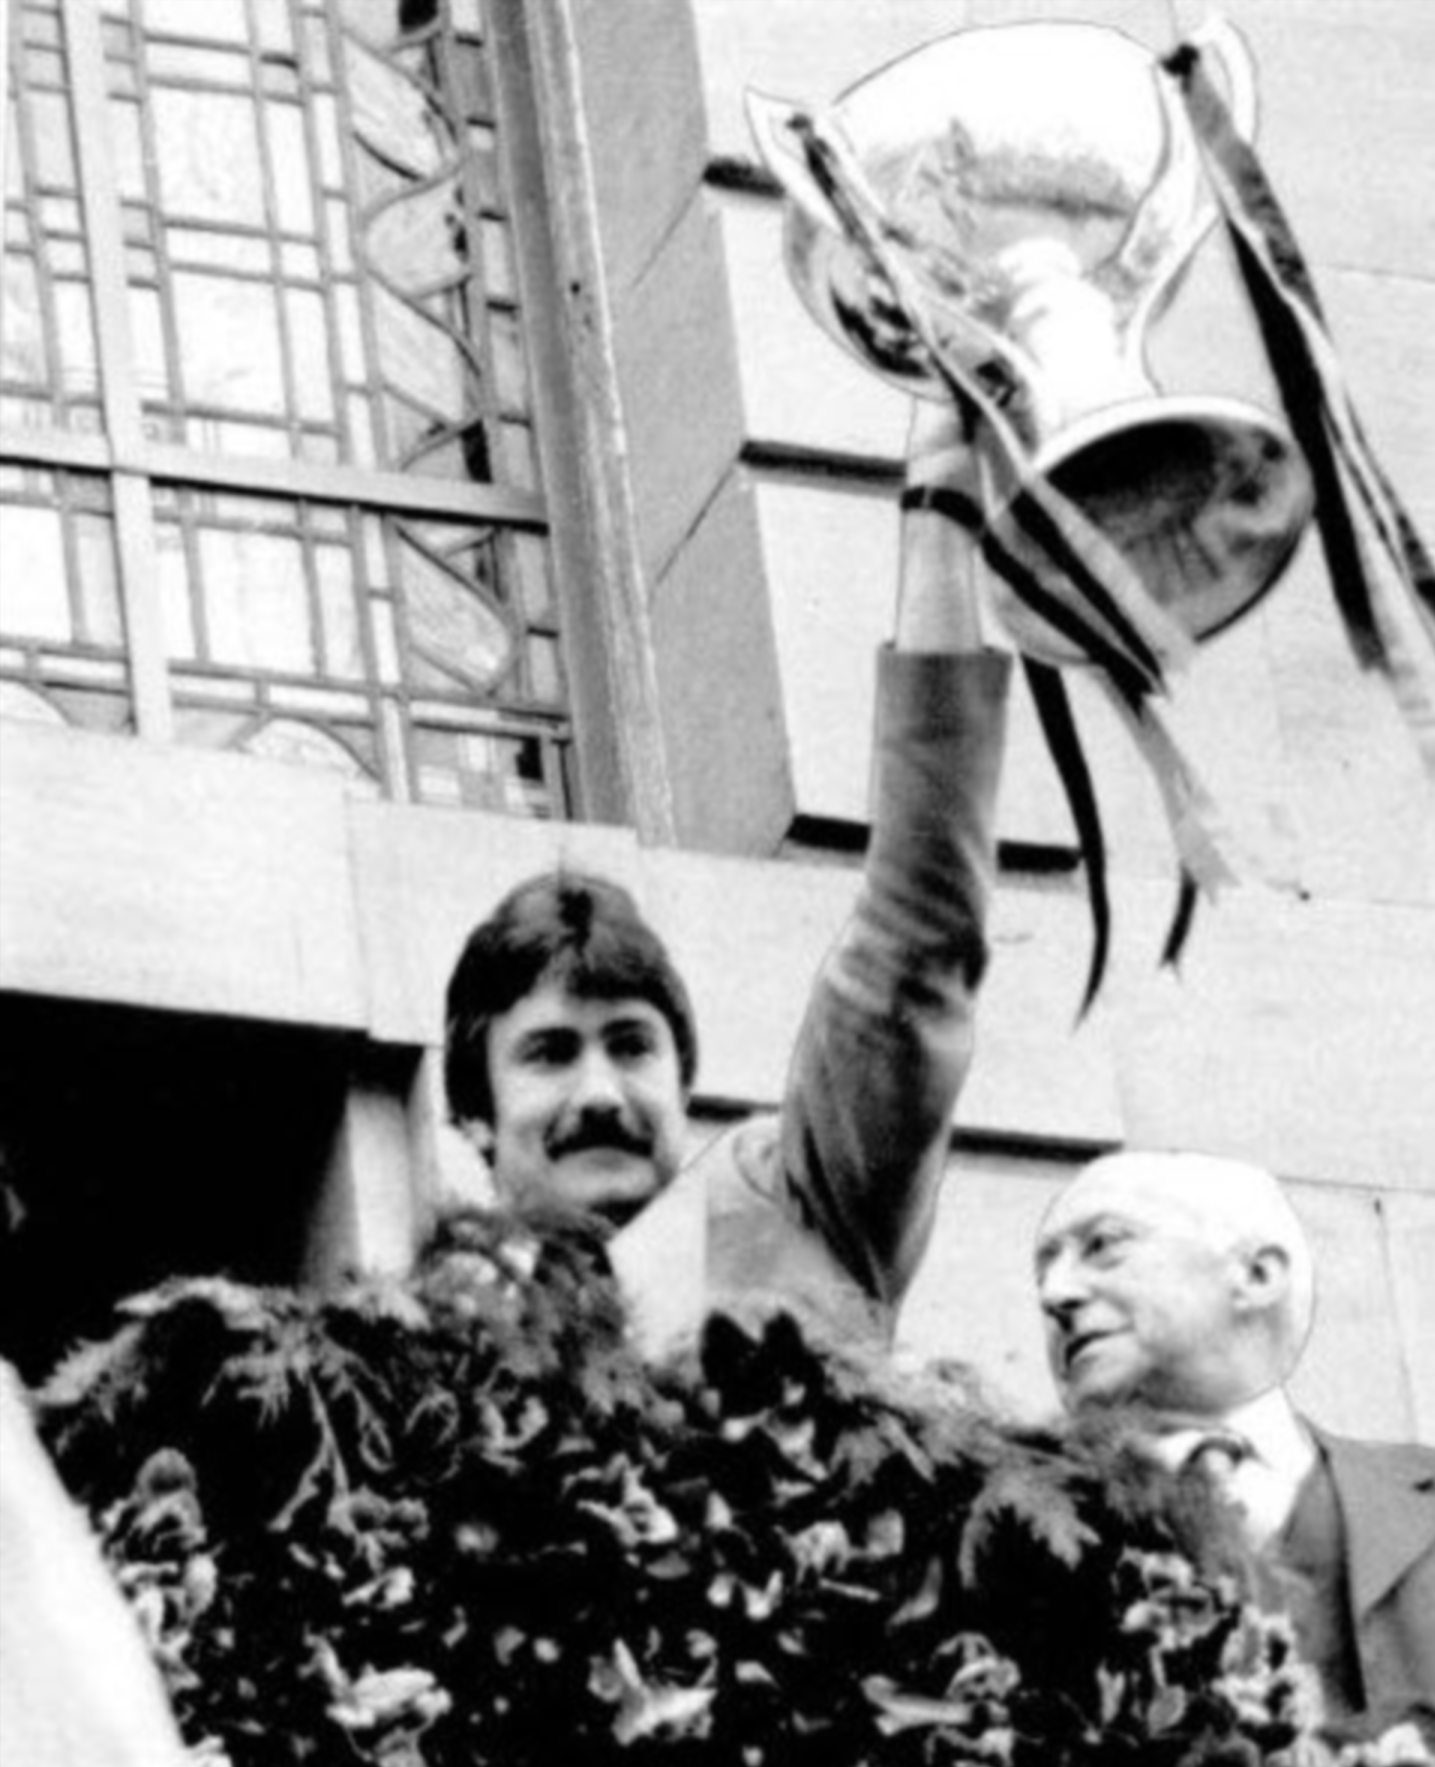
<point>270,405</point>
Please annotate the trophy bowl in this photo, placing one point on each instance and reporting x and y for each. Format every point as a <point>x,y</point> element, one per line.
<point>1040,186</point>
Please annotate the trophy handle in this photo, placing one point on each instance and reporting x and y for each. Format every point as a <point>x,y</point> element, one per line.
<point>1219,38</point>
<point>770,120</point>
<point>1178,212</point>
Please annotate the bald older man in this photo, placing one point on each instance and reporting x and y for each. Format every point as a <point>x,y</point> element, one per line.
<point>1185,1283</point>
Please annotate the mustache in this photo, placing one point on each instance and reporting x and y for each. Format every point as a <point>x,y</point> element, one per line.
<point>600,1131</point>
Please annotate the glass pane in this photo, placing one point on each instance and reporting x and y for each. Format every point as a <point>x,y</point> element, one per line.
<point>99,580</point>
<point>205,728</point>
<point>107,712</point>
<point>79,369</point>
<point>151,366</point>
<point>341,253</point>
<point>275,34</point>
<point>127,146</point>
<point>351,333</point>
<point>22,334</point>
<point>256,607</point>
<point>479,771</point>
<point>178,61</point>
<point>449,625</point>
<point>391,115</point>
<point>290,739</point>
<point>54,147</point>
<point>510,366</point>
<point>363,449</point>
<point>14,178</point>
<point>530,557</point>
<point>316,44</point>
<point>547,670</point>
<point>229,343</point>
<point>309,353</point>
<point>417,241</point>
<point>219,21</point>
<point>500,278</point>
<point>486,178</point>
<point>290,150</point>
<point>173,571</point>
<point>375,20</point>
<point>343,645</point>
<point>419,358</point>
<point>386,643</point>
<point>300,263</point>
<point>207,145</point>
<point>517,464</point>
<point>474,86</point>
<point>219,251</point>
<point>33,598</point>
<point>59,214</point>
<point>331,158</point>
<point>24,703</point>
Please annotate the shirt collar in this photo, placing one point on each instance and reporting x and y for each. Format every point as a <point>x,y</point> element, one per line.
<point>1276,1434</point>
<point>1269,1423</point>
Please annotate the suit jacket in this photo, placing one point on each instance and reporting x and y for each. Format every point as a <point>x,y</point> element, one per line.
<point>826,1208</point>
<point>1386,1492</point>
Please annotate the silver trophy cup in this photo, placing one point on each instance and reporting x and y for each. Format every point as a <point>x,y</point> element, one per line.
<point>1039,189</point>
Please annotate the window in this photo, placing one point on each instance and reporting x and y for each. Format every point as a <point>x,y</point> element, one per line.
<point>272,397</point>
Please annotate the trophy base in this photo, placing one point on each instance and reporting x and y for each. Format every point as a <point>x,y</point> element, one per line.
<point>1205,497</point>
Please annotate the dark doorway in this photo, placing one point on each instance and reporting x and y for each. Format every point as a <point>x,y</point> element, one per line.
<point>139,1145</point>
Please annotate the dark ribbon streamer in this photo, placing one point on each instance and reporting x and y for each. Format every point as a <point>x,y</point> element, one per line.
<point>1027,586</point>
<point>1187,896</point>
<point>1281,287</point>
<point>1053,534</point>
<point>1058,726</point>
<point>1046,533</point>
<point>1060,733</point>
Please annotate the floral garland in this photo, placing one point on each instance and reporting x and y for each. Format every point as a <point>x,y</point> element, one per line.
<point>454,1521</point>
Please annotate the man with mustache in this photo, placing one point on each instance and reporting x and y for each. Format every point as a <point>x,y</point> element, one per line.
<point>571,1049</point>
<point>1184,1284</point>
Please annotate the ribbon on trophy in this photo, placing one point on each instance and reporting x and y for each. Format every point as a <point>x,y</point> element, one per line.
<point>995,218</point>
<point>1303,359</point>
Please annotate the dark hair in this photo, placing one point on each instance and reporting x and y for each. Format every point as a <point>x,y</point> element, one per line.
<point>565,926</point>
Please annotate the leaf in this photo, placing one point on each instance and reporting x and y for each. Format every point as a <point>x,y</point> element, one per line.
<point>646,1710</point>
<point>1027,1494</point>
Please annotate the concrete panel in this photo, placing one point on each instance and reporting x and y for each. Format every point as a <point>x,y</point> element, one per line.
<point>831,563</point>
<point>1410,1255</point>
<point>749,938</point>
<point>647,152</point>
<point>1313,767</point>
<point>177,879</point>
<point>1354,1375</point>
<point>800,390</point>
<point>974,1299</point>
<point>1297,1034</point>
<point>677,371</point>
<point>1037,1070</point>
<point>725,723</point>
<point>1345,124</point>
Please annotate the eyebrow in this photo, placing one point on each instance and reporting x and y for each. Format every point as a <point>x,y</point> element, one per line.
<point>1050,1244</point>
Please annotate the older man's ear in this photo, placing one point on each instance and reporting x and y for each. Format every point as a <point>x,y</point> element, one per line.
<point>1263,1279</point>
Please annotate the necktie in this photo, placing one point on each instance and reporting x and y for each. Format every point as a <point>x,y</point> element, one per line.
<point>1260,1497</point>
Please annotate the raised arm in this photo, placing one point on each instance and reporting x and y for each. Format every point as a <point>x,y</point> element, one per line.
<point>888,1035</point>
